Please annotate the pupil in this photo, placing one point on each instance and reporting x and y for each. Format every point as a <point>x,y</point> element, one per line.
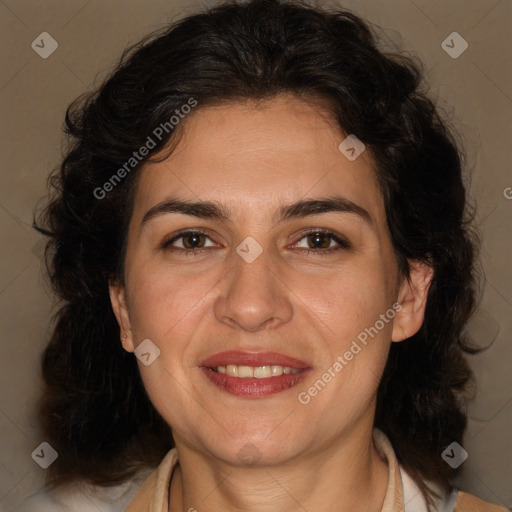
<point>193,240</point>
<point>319,240</point>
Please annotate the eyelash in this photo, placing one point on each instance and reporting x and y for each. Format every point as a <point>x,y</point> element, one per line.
<point>341,241</point>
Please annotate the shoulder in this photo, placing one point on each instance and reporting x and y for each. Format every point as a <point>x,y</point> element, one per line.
<point>84,498</point>
<point>456,501</point>
<point>40,502</point>
<point>469,503</point>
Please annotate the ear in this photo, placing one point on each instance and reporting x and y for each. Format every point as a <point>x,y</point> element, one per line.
<point>118,301</point>
<point>412,296</point>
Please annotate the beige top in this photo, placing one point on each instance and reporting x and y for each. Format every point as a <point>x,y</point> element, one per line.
<point>402,494</point>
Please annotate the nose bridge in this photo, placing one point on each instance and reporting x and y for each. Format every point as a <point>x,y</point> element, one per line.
<point>253,297</point>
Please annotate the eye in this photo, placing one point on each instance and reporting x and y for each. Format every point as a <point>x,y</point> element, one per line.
<point>189,241</point>
<point>318,241</point>
<point>321,241</point>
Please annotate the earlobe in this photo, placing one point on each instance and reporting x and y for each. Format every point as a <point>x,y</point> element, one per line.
<point>118,301</point>
<point>412,297</point>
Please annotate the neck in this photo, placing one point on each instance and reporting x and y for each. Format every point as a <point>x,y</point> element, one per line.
<point>349,475</point>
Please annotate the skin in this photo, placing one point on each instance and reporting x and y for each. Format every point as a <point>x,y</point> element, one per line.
<point>253,159</point>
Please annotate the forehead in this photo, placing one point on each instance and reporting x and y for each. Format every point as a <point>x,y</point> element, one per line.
<point>256,156</point>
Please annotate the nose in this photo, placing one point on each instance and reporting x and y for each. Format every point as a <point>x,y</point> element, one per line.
<point>253,296</point>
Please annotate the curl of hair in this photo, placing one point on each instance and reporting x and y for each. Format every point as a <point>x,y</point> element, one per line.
<point>94,409</point>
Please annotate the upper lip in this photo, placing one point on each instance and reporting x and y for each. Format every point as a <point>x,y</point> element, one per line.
<point>252,359</point>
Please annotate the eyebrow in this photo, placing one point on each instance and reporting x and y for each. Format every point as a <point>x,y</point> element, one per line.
<point>299,209</point>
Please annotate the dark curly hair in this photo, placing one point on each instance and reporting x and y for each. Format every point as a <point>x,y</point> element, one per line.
<point>94,409</point>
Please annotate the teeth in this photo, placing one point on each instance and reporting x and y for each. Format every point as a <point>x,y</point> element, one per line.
<point>258,372</point>
<point>245,372</point>
<point>276,370</point>
<point>232,370</point>
<point>263,372</point>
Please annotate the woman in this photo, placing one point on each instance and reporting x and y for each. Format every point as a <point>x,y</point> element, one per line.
<point>261,240</point>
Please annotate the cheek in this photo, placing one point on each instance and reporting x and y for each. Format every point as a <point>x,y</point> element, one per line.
<point>166,308</point>
<point>348,300</point>
<point>162,301</point>
<point>347,308</point>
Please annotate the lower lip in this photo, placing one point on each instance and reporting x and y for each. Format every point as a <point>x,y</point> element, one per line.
<point>252,387</point>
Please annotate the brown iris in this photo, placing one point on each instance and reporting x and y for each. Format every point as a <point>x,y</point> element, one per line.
<point>319,240</point>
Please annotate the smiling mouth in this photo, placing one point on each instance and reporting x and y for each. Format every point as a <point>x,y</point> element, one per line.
<point>257,372</point>
<point>254,374</point>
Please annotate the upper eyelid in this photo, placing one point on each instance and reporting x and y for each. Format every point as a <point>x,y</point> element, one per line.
<point>168,242</point>
<point>181,234</point>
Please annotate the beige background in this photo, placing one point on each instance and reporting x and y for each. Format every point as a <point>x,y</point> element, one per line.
<point>34,93</point>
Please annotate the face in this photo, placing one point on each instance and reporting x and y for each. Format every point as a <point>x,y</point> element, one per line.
<point>257,257</point>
